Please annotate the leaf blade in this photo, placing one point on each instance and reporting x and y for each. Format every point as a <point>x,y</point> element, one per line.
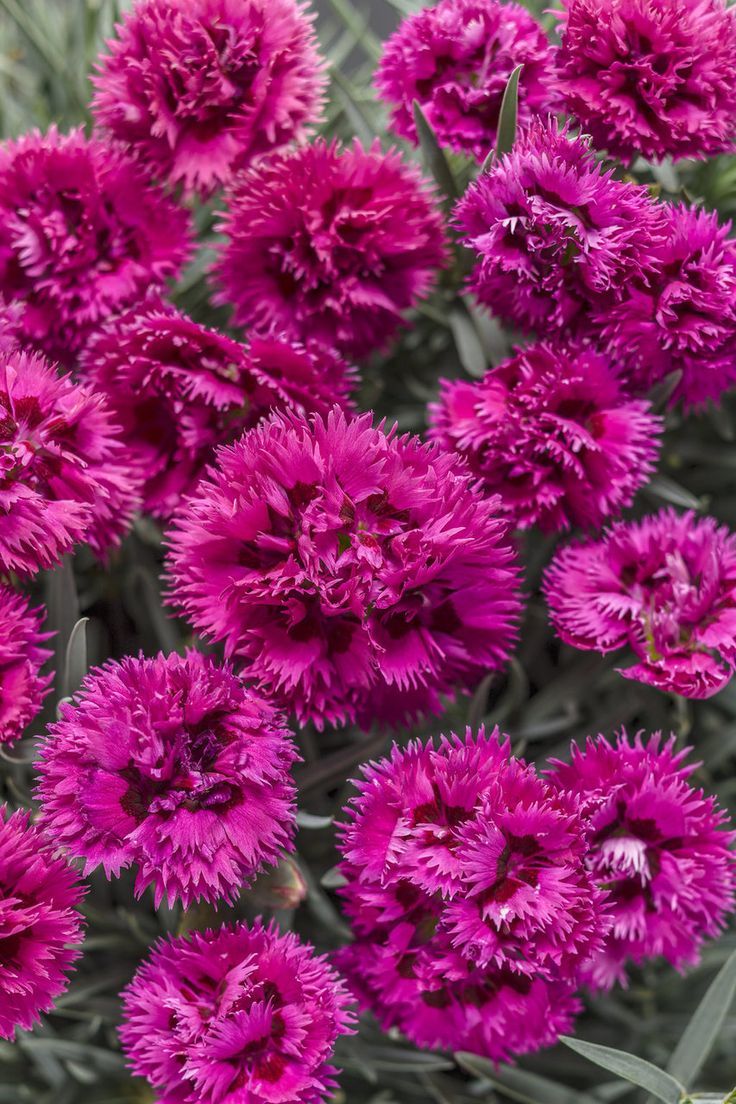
<point>705,1025</point>
<point>627,1066</point>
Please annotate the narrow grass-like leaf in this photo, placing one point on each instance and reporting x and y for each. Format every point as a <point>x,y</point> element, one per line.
<point>357,116</point>
<point>663,488</point>
<point>507,120</point>
<point>358,25</point>
<point>308,820</point>
<point>705,1025</point>
<point>527,1088</point>
<point>434,156</point>
<point>636,1070</point>
<point>468,343</point>
<point>75,662</point>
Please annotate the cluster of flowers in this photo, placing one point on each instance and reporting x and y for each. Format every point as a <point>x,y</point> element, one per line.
<point>353,574</point>
<point>483,895</point>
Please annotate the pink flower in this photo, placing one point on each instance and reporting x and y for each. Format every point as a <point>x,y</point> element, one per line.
<point>658,848</point>
<point>655,77</point>
<point>234,1015</point>
<point>179,389</point>
<point>22,655</point>
<point>684,318</point>
<point>665,587</point>
<point>330,244</point>
<point>553,230</point>
<point>455,59</point>
<point>64,473</point>
<point>40,925</point>
<point>199,88</point>
<point>467,889</point>
<point>356,573</point>
<point>83,234</point>
<point>553,432</point>
<point>11,315</point>
<point>170,765</point>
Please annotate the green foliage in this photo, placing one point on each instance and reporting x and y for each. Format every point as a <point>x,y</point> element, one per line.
<point>549,695</point>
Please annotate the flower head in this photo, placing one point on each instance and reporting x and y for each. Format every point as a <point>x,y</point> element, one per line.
<point>178,389</point>
<point>40,925</point>
<point>651,77</point>
<point>553,230</point>
<point>330,244</point>
<point>357,573</point>
<point>64,473</point>
<point>83,234</point>
<point>455,60</point>
<point>657,846</point>
<point>199,88</point>
<point>553,433</point>
<point>172,766</point>
<point>665,587</point>
<point>242,1013</point>
<point>22,655</point>
<point>468,893</point>
<point>684,318</point>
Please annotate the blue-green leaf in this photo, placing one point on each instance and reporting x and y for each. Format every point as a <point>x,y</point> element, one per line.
<point>630,1068</point>
<point>705,1025</point>
<point>434,156</point>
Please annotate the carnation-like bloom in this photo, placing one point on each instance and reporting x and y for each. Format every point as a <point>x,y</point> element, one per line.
<point>466,884</point>
<point>553,230</point>
<point>553,432</point>
<point>665,587</point>
<point>234,1015</point>
<point>40,924</point>
<point>656,77</point>
<point>83,234</point>
<point>64,472</point>
<point>22,655</point>
<point>658,848</point>
<point>357,573</point>
<point>170,765</point>
<point>11,328</point>
<point>178,390</point>
<point>683,319</point>
<point>455,60</point>
<point>198,88</point>
<point>331,244</point>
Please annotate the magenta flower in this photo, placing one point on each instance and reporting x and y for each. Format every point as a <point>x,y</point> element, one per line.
<point>553,433</point>
<point>40,924</point>
<point>234,1015</point>
<point>356,573</point>
<point>330,244</point>
<point>178,389</point>
<point>467,889</point>
<point>654,77</point>
<point>172,766</point>
<point>665,587</point>
<point>658,848</point>
<point>83,234</point>
<point>11,327</point>
<point>199,88</point>
<point>22,655</point>
<point>64,473</point>
<point>684,318</point>
<point>455,59</point>
<point>553,230</point>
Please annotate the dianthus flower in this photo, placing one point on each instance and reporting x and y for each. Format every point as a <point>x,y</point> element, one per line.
<point>64,473</point>
<point>651,77</point>
<point>22,655</point>
<point>455,60</point>
<point>83,234</point>
<point>553,432</point>
<point>198,88</point>
<point>11,328</point>
<point>657,847</point>
<point>665,587</point>
<point>234,1015</point>
<point>684,319</point>
<point>170,765</point>
<point>553,230</point>
<point>467,889</point>
<point>178,389</point>
<point>40,925</point>
<point>357,573</point>
<point>330,244</point>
